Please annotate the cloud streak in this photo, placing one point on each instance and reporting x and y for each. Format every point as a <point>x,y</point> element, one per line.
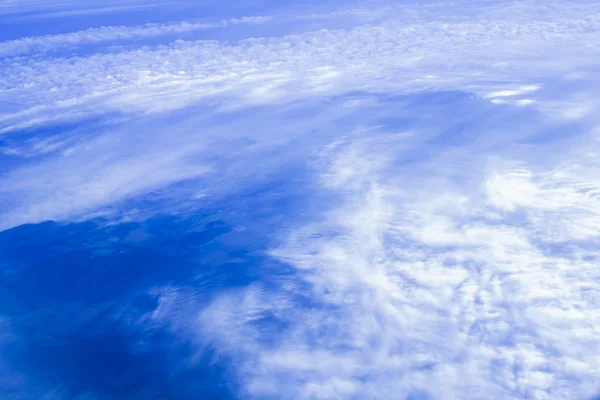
<point>42,44</point>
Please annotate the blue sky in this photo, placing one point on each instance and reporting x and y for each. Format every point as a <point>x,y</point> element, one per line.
<point>299,200</point>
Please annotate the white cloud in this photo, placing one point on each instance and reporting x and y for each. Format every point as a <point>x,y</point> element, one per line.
<point>79,174</point>
<point>409,293</point>
<point>470,53</point>
<point>514,92</point>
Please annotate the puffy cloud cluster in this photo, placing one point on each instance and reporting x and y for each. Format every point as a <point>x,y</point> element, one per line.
<point>396,55</point>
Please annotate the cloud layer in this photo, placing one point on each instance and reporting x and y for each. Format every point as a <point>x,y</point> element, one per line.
<point>393,56</point>
<point>447,242</point>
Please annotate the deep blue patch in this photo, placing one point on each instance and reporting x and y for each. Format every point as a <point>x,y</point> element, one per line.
<point>76,296</point>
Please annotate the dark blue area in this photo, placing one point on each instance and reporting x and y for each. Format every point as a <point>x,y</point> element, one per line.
<point>77,297</point>
<point>74,296</point>
<point>65,287</point>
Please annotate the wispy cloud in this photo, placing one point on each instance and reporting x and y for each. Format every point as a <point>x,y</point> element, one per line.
<point>45,8</point>
<point>77,173</point>
<point>489,288</point>
<point>41,44</point>
<point>91,174</point>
